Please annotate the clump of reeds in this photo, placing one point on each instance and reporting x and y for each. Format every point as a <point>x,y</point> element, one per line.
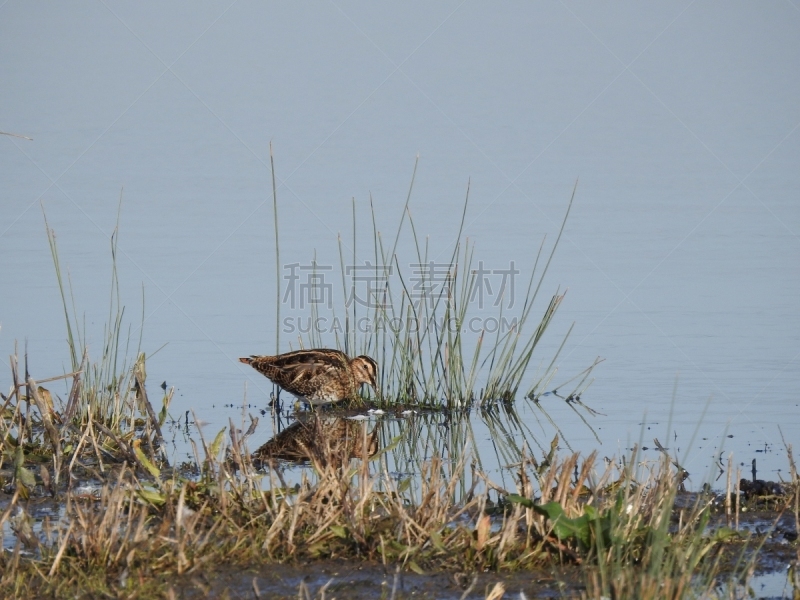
<point>107,415</point>
<point>421,326</point>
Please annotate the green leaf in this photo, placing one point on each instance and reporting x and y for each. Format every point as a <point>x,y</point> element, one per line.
<point>26,477</point>
<point>318,549</point>
<point>551,510</point>
<point>142,458</point>
<point>526,502</point>
<point>391,446</point>
<point>24,491</point>
<point>23,475</point>
<point>723,534</point>
<point>436,540</point>
<point>339,531</point>
<point>415,567</point>
<point>565,528</point>
<point>215,445</point>
<point>404,485</point>
<point>399,547</point>
<point>162,415</point>
<point>150,495</point>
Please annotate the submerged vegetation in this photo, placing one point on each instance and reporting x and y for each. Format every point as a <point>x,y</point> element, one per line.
<point>93,507</point>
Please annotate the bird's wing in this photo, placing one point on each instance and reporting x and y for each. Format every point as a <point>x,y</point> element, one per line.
<point>315,359</point>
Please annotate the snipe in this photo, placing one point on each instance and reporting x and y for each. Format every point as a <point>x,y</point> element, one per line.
<point>317,376</point>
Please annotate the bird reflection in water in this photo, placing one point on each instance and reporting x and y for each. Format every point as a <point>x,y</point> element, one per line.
<point>325,440</point>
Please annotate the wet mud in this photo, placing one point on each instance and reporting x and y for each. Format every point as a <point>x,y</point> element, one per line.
<point>357,581</point>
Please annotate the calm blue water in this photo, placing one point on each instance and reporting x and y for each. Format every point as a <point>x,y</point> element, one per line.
<point>679,119</point>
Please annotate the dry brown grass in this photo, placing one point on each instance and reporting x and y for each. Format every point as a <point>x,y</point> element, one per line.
<point>146,525</point>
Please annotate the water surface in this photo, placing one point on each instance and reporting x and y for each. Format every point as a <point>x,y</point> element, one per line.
<point>680,120</point>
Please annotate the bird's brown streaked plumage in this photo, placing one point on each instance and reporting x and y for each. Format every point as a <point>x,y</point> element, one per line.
<point>319,376</point>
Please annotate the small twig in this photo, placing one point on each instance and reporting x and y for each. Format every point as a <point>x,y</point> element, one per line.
<point>16,135</point>
<point>61,550</point>
<point>47,421</point>
<point>738,495</point>
<point>394,583</point>
<point>471,587</point>
<point>120,444</point>
<point>10,507</point>
<point>74,395</point>
<point>728,492</point>
<point>323,588</point>
<point>57,377</point>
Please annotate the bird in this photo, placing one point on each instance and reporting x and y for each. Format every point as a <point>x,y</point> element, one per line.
<point>318,376</point>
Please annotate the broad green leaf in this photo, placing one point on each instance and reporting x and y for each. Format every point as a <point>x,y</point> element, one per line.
<point>723,534</point>
<point>404,485</point>
<point>162,415</point>
<point>217,443</point>
<point>339,531</point>
<point>551,510</point>
<point>19,457</point>
<point>150,495</point>
<point>23,475</point>
<point>26,477</point>
<point>142,458</point>
<point>415,567</point>
<point>318,549</point>
<point>24,491</point>
<point>526,502</point>
<point>436,540</point>
<point>563,527</point>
